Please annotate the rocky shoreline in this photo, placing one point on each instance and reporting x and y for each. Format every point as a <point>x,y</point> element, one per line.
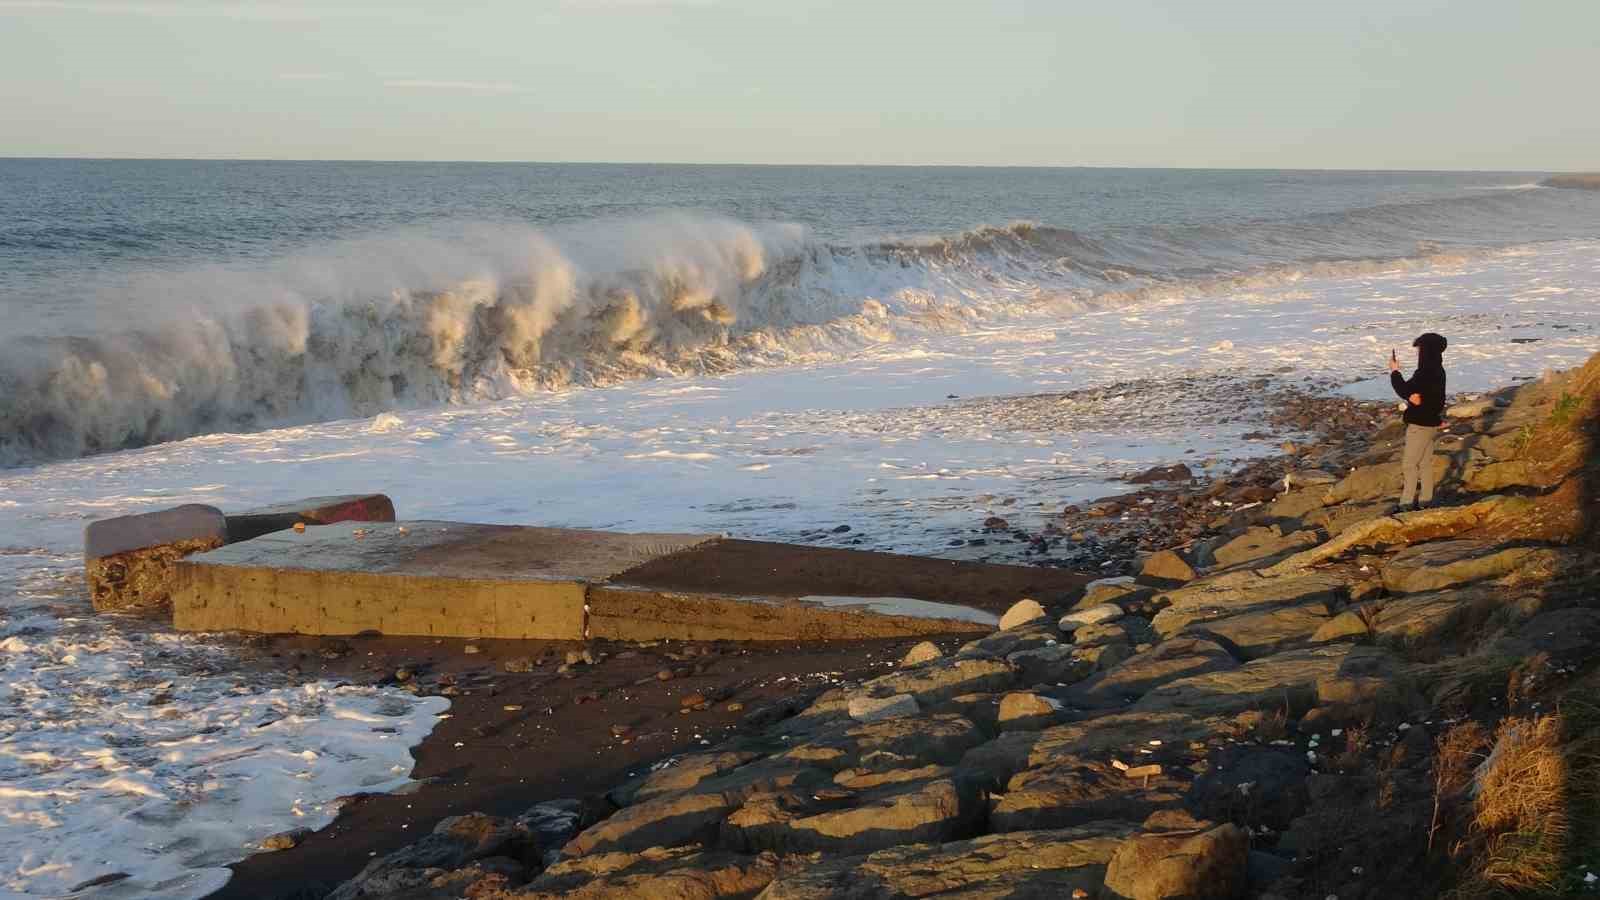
<point>1283,688</point>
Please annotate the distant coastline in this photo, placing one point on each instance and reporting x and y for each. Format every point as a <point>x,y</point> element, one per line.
<point>1582,182</point>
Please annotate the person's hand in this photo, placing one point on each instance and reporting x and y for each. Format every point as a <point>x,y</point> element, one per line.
<point>1394,364</point>
<point>1416,399</point>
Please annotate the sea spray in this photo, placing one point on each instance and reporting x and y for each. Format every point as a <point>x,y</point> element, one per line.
<point>413,319</point>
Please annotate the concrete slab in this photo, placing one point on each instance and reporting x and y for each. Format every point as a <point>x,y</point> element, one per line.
<point>494,581</point>
<point>129,560</point>
<point>252,523</point>
<point>447,579</point>
<point>192,521</point>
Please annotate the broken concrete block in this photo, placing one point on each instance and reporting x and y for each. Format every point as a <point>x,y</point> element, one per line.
<point>129,560</point>
<point>253,523</point>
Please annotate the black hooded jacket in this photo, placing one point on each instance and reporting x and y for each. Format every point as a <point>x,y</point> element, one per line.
<point>1428,381</point>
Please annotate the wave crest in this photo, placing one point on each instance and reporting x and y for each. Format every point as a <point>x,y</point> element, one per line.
<point>494,311</point>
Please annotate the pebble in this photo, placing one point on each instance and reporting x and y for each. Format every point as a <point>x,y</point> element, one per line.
<point>664,675</point>
<point>690,701</point>
<point>621,730</point>
<point>471,649</point>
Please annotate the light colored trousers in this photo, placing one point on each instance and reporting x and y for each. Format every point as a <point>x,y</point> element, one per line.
<point>1417,464</point>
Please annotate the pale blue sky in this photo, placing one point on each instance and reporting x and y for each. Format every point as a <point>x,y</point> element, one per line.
<point>1435,84</point>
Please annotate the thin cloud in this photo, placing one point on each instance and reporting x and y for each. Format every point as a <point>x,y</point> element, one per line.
<point>309,76</point>
<point>481,87</point>
<point>254,12</point>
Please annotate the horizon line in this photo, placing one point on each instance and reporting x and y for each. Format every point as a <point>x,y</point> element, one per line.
<point>775,165</point>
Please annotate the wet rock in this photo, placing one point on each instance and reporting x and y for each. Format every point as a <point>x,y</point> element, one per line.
<point>454,843</point>
<point>1022,612</point>
<point>285,840</point>
<point>1177,472</point>
<point>927,651</point>
<point>520,664</point>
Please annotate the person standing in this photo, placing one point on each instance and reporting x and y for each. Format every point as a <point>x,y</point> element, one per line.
<point>1423,393</point>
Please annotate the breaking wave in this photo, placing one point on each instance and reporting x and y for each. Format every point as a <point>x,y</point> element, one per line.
<point>490,312</point>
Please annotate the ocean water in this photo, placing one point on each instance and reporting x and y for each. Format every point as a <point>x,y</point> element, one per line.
<point>766,352</point>
<point>146,301</point>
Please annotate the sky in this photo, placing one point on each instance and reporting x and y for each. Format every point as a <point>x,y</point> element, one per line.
<point>1363,84</point>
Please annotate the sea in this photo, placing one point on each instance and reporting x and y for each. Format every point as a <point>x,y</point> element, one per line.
<point>762,351</point>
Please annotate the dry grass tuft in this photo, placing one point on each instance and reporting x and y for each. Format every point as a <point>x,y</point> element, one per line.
<point>1458,752</point>
<point>1520,811</point>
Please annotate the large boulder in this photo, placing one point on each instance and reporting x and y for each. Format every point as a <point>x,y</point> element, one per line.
<point>872,709</point>
<point>130,561</point>
<point>670,820</point>
<point>1050,665</point>
<point>1431,567</point>
<point>1403,529</point>
<point>1411,619</point>
<point>1262,543</point>
<point>453,844</point>
<point>1170,660</point>
<point>1022,612</point>
<point>940,739</point>
<point>678,873</point>
<point>682,775</point>
<point>939,810</point>
<point>1091,615</point>
<point>941,679</point>
<point>1263,632</point>
<point>1242,592</point>
<point>1167,566</point>
<point>1194,863</point>
<point>1123,732</point>
<point>1027,711</point>
<point>927,651</point>
<point>1028,865</point>
<point>1077,790</point>
<point>1274,682</point>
